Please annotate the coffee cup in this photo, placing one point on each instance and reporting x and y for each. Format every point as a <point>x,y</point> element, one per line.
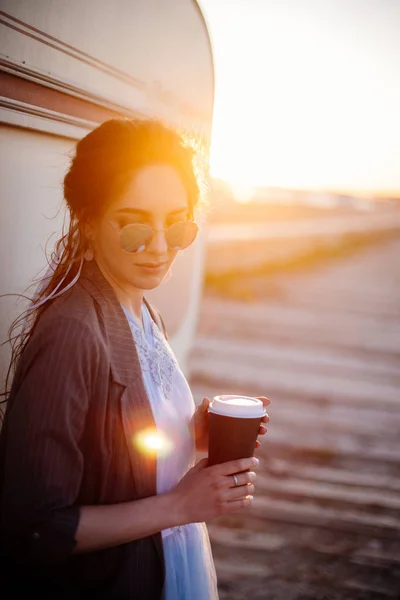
<point>234,424</point>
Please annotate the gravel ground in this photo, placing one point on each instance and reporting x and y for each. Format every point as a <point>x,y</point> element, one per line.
<point>324,345</point>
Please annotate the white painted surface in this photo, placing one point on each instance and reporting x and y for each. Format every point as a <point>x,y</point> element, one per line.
<point>161,44</point>
<point>163,49</point>
<point>31,164</point>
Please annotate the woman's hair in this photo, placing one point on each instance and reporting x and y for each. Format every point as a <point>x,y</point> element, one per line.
<point>103,165</point>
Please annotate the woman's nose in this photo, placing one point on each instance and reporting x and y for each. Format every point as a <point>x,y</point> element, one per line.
<point>158,244</point>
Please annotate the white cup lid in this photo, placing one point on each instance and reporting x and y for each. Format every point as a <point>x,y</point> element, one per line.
<point>237,406</point>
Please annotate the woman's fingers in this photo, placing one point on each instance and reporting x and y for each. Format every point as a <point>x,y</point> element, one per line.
<point>265,419</point>
<point>240,486</point>
<point>205,404</point>
<point>264,400</point>
<point>236,493</point>
<point>262,430</point>
<point>241,479</point>
<point>235,505</point>
<point>235,466</point>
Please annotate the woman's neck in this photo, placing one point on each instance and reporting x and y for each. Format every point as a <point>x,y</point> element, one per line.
<point>130,297</point>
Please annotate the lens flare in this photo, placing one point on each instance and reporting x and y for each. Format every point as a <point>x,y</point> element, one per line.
<point>153,442</point>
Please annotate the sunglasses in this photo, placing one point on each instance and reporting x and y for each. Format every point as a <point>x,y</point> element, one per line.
<point>136,237</point>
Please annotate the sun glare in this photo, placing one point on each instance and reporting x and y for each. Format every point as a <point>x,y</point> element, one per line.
<point>153,442</point>
<point>306,98</point>
<point>241,192</point>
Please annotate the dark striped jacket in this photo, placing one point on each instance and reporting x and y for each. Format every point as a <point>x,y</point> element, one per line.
<point>76,404</point>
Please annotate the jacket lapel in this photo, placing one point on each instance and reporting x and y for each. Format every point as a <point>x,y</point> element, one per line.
<point>136,412</point>
<point>124,360</point>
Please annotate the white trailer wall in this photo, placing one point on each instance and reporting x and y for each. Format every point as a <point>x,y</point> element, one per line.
<point>128,57</point>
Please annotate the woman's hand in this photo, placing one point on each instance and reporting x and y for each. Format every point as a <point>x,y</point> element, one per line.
<point>201,425</point>
<point>265,419</point>
<point>208,492</point>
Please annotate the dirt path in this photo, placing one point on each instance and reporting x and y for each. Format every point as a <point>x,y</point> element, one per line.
<point>324,345</point>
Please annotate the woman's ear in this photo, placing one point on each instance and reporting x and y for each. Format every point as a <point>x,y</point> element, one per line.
<point>88,231</point>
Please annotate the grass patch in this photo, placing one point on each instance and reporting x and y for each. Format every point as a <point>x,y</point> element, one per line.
<point>237,283</point>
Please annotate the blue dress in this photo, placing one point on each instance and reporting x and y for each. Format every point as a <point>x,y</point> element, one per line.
<point>189,565</point>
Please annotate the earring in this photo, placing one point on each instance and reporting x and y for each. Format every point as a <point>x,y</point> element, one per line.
<point>88,255</point>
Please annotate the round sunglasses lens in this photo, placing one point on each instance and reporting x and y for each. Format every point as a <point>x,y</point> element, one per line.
<point>181,235</point>
<point>135,237</point>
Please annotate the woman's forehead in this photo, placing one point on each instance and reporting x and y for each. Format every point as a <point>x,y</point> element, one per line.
<point>155,189</point>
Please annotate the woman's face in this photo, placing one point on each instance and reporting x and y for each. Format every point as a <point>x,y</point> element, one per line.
<point>156,197</point>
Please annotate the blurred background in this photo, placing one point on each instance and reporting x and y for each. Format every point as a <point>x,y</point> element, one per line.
<point>301,300</point>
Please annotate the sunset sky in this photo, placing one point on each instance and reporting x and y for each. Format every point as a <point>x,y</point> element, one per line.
<point>307,93</point>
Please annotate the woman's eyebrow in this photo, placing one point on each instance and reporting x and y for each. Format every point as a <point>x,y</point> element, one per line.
<point>146,213</point>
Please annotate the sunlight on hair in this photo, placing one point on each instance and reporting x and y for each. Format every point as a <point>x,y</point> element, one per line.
<point>151,441</point>
<point>200,146</point>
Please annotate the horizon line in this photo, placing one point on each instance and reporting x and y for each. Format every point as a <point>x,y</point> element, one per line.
<point>382,192</point>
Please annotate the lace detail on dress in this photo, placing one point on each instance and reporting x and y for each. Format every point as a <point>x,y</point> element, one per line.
<point>158,358</point>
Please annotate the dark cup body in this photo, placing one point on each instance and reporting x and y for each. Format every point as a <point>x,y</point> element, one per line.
<point>231,438</point>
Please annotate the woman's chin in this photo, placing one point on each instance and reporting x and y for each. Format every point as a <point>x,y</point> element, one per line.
<point>148,282</point>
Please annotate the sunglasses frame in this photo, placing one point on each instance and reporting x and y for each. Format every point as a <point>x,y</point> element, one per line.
<point>153,232</point>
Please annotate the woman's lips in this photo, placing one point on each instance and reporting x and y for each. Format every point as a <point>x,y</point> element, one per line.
<point>153,267</point>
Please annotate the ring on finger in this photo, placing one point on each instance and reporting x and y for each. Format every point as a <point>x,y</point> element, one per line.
<point>235,481</point>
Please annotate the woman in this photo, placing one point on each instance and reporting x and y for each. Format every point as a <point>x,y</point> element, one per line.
<point>88,508</point>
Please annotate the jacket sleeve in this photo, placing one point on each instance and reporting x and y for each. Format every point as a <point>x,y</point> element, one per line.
<point>42,464</point>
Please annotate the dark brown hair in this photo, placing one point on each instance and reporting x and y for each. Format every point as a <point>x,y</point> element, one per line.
<point>104,162</point>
